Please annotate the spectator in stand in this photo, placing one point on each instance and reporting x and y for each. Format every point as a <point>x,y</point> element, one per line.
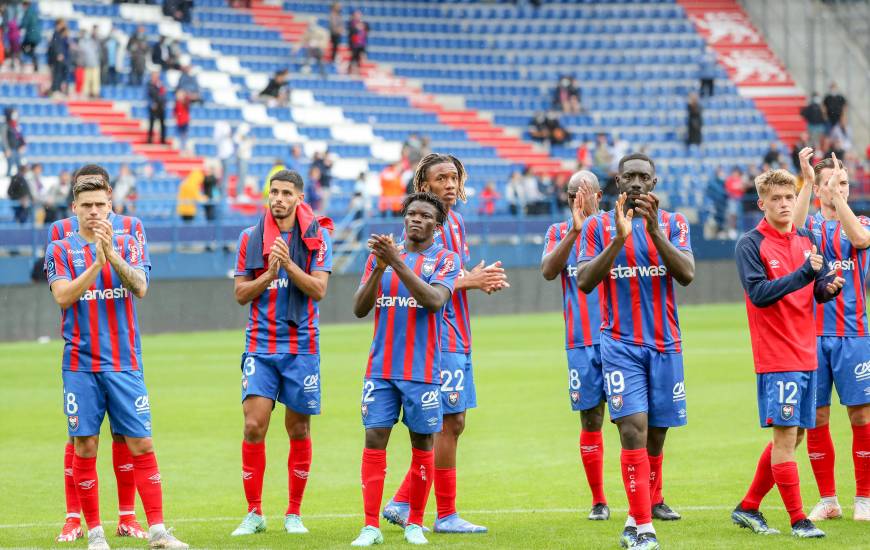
<point>735,188</point>
<point>56,198</point>
<point>360,202</point>
<point>488,197</point>
<point>323,161</point>
<point>160,53</point>
<point>190,195</point>
<point>558,134</point>
<point>210,190</point>
<point>31,28</point>
<point>538,127</point>
<point>566,96</point>
<point>113,46</point>
<point>336,30</point>
<point>840,139</point>
<point>33,176</point>
<point>19,191</point>
<point>802,141</point>
<point>773,156</point>
<point>13,42</point>
<point>90,48</point>
<point>314,42</point>
<point>695,121</point>
<point>78,62</point>
<point>244,146</point>
<point>584,156</point>
<point>313,189</point>
<point>814,114</point>
<point>223,136</point>
<point>180,10</point>
<point>515,194</point>
<point>413,149</point>
<point>536,202</point>
<point>358,39</point>
<point>707,67</point>
<point>602,158</point>
<point>188,83</point>
<point>182,117</point>
<point>297,161</point>
<point>14,143</point>
<point>392,190</point>
<point>156,107</point>
<point>138,49</point>
<point>124,192</point>
<point>835,105</point>
<point>276,90</point>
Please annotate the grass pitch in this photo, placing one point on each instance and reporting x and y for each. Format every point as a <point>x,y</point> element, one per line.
<point>519,469</point>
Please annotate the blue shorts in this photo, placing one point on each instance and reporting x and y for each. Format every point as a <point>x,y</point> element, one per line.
<point>293,380</point>
<point>787,399</point>
<point>457,383</point>
<point>585,381</point>
<point>845,363</point>
<point>419,402</point>
<point>639,379</point>
<point>88,396</point>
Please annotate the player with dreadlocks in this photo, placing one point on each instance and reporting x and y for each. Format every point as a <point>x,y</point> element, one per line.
<point>445,176</point>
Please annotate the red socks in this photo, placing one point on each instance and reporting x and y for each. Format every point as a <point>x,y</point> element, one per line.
<point>592,456</point>
<point>253,468</point>
<point>445,491</point>
<point>404,494</point>
<point>861,459</point>
<point>635,477</point>
<point>298,466</point>
<point>84,472</point>
<point>820,448</point>
<point>372,474</point>
<point>150,487</point>
<point>422,467</point>
<point>787,481</point>
<point>122,461</point>
<point>655,478</point>
<point>73,509</point>
<point>762,483</point>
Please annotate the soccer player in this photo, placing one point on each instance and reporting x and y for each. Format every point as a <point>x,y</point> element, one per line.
<point>582,327</point>
<point>93,275</point>
<point>282,270</point>
<point>409,286</point>
<point>636,252</point>
<point>781,271</point>
<point>444,176</point>
<point>842,334</point>
<point>122,460</point>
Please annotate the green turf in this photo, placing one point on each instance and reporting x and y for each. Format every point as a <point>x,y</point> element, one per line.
<point>519,468</point>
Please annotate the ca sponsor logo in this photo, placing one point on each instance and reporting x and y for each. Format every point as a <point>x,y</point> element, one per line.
<point>73,422</point>
<point>623,272</point>
<point>429,399</point>
<point>428,267</point>
<point>396,301</point>
<point>862,371</point>
<point>616,402</point>
<point>787,412</point>
<point>88,484</point>
<point>117,293</point>
<point>679,391</point>
<point>310,382</point>
<point>845,265</point>
<point>142,405</point>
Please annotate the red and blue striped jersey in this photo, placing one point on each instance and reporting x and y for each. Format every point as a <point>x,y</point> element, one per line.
<point>406,342</point>
<point>638,305</point>
<point>582,311</point>
<point>456,337</point>
<point>123,225</point>
<point>101,330</point>
<point>267,332</point>
<point>846,315</point>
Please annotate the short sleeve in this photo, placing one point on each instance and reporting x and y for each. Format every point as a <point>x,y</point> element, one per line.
<point>142,241</point>
<point>590,239</point>
<point>865,222</point>
<point>679,233</point>
<point>323,257</point>
<point>55,264</point>
<point>241,256</point>
<point>370,267</point>
<point>55,232</point>
<point>551,239</point>
<point>446,270</point>
<point>466,253</point>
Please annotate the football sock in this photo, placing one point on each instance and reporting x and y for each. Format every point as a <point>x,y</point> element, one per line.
<point>122,462</point>
<point>298,466</point>
<point>646,528</point>
<point>820,448</point>
<point>788,483</point>
<point>445,491</point>
<point>592,456</point>
<point>73,509</point>
<point>150,486</point>
<point>373,473</point>
<point>655,478</point>
<point>403,494</point>
<point>87,488</point>
<point>762,483</point>
<point>253,468</point>
<point>635,477</point>
<point>422,467</point>
<point>861,459</point>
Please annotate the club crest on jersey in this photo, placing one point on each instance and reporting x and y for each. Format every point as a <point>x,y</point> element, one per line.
<point>787,412</point>
<point>428,267</point>
<point>575,396</point>
<point>453,398</point>
<point>244,382</point>
<point>73,423</point>
<point>616,402</point>
<point>364,409</point>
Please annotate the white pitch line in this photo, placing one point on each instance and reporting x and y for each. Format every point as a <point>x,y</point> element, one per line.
<point>506,511</point>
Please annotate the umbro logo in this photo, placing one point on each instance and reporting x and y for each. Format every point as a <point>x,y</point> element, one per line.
<point>588,448</point>
<point>862,454</point>
<point>301,474</point>
<point>126,467</point>
<point>247,475</point>
<point>816,456</point>
<point>155,479</point>
<point>774,264</point>
<point>88,484</point>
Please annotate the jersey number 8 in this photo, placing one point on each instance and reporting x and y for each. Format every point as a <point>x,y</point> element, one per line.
<point>71,406</point>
